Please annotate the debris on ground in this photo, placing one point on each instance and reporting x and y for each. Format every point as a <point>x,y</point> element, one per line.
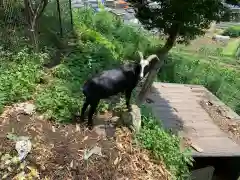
<point>23,147</point>
<point>219,117</point>
<point>25,108</point>
<point>95,150</point>
<point>59,153</point>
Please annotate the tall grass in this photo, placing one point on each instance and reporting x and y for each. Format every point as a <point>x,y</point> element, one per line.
<point>221,80</point>
<point>19,75</point>
<point>231,48</point>
<point>164,146</point>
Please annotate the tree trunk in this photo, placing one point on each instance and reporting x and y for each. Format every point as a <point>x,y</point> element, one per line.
<point>34,37</point>
<point>32,16</point>
<point>152,74</point>
<point>1,3</point>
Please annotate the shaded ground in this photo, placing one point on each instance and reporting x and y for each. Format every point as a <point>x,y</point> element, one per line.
<point>57,152</point>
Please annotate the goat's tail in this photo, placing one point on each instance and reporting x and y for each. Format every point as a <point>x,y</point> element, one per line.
<point>85,88</point>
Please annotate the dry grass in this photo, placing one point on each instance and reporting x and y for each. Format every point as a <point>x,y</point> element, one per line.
<point>57,152</point>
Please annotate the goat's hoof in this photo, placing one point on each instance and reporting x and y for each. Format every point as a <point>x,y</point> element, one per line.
<point>82,119</point>
<point>129,109</point>
<point>90,127</point>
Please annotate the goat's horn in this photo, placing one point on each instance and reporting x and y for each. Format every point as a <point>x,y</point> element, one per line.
<point>140,54</point>
<point>152,57</point>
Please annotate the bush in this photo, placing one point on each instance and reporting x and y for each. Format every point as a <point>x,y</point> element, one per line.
<point>19,75</point>
<point>233,31</point>
<point>164,146</point>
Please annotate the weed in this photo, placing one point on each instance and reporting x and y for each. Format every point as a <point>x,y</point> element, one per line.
<point>231,48</point>
<point>233,31</point>
<point>19,75</point>
<point>164,146</point>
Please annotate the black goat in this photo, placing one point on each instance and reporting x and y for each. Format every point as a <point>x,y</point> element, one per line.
<point>111,82</point>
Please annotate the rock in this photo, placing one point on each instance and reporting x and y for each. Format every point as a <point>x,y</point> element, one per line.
<point>95,150</point>
<point>41,117</point>
<point>25,108</point>
<point>132,119</point>
<point>115,119</point>
<point>29,109</point>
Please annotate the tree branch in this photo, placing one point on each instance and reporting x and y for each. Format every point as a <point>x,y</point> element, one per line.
<point>158,64</point>
<point>40,11</point>
<point>29,4</point>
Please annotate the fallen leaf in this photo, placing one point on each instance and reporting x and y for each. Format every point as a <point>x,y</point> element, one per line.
<point>116,161</point>
<point>66,134</point>
<point>77,128</point>
<point>12,136</point>
<point>196,147</point>
<point>95,150</point>
<point>18,118</point>
<point>33,128</point>
<point>5,175</point>
<point>53,129</point>
<point>20,176</point>
<point>85,138</point>
<point>9,169</point>
<point>22,165</point>
<point>120,146</point>
<point>33,172</point>
<point>71,164</point>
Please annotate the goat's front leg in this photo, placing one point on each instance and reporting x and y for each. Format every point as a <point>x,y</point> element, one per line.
<point>92,110</point>
<point>128,97</point>
<point>85,105</point>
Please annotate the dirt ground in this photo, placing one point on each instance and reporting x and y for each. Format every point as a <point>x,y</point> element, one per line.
<point>226,124</point>
<point>57,152</point>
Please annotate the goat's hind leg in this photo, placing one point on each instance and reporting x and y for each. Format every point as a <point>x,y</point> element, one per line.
<point>84,108</point>
<point>92,110</point>
<point>128,94</point>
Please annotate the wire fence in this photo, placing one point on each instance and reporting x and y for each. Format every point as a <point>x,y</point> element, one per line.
<point>54,23</point>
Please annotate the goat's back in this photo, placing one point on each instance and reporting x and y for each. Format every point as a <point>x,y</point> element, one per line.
<point>111,82</point>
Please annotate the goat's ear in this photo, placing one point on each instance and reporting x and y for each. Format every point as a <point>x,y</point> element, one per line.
<point>137,69</point>
<point>152,63</point>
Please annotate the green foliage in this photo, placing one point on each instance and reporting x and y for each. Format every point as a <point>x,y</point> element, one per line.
<point>186,19</point>
<point>19,75</point>
<point>164,146</point>
<point>208,51</point>
<point>233,31</point>
<point>231,48</point>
